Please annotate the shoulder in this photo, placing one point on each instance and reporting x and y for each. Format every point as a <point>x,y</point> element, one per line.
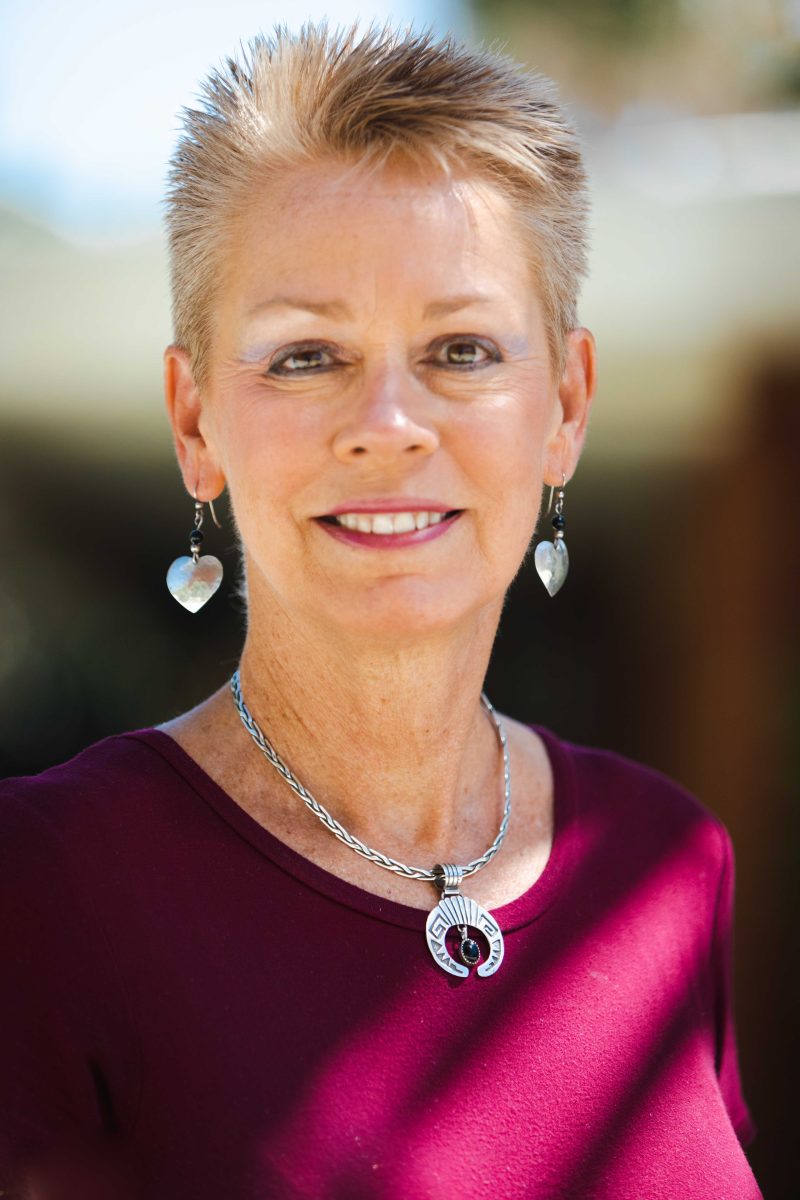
<point>637,811</point>
<point>637,788</point>
<point>72,797</point>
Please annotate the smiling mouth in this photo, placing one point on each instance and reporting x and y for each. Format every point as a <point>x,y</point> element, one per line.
<point>387,524</point>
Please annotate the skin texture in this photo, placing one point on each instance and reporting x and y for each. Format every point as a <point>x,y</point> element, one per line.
<point>426,374</point>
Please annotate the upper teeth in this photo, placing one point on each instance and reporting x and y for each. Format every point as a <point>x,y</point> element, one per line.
<point>403,522</point>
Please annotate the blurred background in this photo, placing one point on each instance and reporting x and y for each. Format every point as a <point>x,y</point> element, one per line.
<point>675,638</point>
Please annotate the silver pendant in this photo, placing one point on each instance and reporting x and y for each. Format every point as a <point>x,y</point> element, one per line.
<point>457,911</point>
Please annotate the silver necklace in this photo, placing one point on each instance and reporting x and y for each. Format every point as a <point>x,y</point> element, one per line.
<point>454,910</point>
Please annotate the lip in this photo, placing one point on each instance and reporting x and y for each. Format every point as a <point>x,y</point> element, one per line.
<point>389,541</point>
<point>391,504</point>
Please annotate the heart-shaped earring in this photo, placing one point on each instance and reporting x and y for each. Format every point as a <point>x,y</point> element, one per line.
<point>193,580</point>
<point>551,558</point>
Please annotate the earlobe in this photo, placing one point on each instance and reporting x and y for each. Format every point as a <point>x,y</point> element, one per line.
<point>202,475</point>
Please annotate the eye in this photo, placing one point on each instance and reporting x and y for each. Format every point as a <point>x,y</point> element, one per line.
<point>302,359</point>
<point>466,352</point>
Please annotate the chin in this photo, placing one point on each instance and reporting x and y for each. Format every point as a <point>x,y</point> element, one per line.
<point>394,609</point>
<point>404,609</point>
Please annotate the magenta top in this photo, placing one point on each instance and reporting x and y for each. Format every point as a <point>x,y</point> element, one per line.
<point>190,1009</point>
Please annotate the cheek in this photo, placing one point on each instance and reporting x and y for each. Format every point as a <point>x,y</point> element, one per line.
<point>511,459</point>
<point>502,449</point>
<point>273,451</point>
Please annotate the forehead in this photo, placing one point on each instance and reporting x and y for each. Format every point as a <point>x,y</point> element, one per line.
<point>336,188</point>
<point>330,225</point>
<point>395,185</point>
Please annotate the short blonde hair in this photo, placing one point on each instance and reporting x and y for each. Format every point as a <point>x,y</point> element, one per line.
<point>291,99</point>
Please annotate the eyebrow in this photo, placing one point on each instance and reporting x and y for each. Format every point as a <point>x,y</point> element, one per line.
<point>328,308</point>
<point>337,308</point>
<point>443,308</point>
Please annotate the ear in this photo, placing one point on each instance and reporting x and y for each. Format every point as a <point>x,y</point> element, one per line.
<point>576,391</point>
<point>202,474</point>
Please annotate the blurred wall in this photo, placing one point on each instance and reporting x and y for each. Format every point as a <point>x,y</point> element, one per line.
<point>674,639</point>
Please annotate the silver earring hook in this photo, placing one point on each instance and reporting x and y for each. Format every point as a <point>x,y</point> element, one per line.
<point>210,504</point>
<point>553,488</point>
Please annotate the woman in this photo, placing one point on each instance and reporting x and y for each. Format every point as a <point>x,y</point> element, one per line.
<point>436,950</point>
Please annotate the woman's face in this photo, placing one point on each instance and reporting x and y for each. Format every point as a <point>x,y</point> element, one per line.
<point>380,362</point>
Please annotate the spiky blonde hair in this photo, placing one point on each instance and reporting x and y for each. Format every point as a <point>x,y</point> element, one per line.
<point>291,99</point>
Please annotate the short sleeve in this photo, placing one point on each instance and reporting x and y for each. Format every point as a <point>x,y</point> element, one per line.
<point>727,1060</point>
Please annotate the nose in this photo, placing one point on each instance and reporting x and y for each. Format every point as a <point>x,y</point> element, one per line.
<point>387,422</point>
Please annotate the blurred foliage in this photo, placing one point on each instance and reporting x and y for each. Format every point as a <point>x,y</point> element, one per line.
<point>699,56</point>
<point>613,21</point>
<point>787,75</point>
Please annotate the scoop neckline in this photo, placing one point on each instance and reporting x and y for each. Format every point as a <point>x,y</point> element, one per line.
<point>510,916</point>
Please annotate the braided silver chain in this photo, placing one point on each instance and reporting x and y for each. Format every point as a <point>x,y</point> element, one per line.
<point>381,860</point>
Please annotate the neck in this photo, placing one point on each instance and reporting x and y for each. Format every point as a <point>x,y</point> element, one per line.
<point>392,739</point>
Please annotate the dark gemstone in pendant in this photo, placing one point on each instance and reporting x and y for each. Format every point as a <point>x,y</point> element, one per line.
<point>558,522</point>
<point>470,952</point>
